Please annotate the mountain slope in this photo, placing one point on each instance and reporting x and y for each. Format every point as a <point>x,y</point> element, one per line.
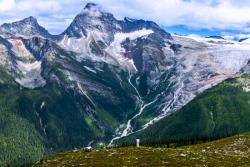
<point>220,111</point>
<point>57,115</point>
<point>62,111</point>
<point>228,152</point>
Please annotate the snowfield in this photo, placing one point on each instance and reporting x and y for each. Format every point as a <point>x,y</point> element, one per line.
<point>117,51</point>
<point>114,52</point>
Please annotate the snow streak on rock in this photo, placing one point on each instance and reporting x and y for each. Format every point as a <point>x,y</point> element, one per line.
<point>142,105</point>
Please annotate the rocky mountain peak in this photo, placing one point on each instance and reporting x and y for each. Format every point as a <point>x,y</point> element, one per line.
<point>92,10</point>
<point>90,6</point>
<point>27,27</point>
<point>30,20</point>
<point>91,19</point>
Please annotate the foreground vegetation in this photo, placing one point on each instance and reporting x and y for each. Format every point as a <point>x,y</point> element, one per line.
<point>228,152</point>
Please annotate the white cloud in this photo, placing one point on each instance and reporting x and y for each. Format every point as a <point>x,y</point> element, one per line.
<point>236,37</point>
<point>199,14</point>
<point>38,6</point>
<point>56,14</point>
<point>6,5</point>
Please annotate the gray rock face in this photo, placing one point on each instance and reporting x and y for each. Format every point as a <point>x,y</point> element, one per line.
<point>39,47</point>
<point>27,27</point>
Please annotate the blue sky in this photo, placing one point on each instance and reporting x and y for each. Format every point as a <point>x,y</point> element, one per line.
<point>233,34</point>
<point>185,30</point>
<point>204,17</point>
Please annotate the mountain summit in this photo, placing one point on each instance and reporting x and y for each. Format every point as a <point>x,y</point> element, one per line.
<point>90,6</point>
<point>92,19</point>
<point>27,27</point>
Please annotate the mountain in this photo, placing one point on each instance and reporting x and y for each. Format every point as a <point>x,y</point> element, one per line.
<point>231,151</point>
<point>220,111</point>
<point>93,19</point>
<point>100,80</point>
<point>27,27</point>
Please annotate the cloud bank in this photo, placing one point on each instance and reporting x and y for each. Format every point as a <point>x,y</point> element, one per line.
<point>56,15</point>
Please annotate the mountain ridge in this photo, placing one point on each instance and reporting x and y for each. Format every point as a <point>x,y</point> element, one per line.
<point>26,27</point>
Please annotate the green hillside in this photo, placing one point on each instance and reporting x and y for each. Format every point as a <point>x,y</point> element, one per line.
<point>220,111</point>
<point>37,122</point>
<point>228,152</point>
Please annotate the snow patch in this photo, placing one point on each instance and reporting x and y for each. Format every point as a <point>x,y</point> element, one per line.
<point>85,93</point>
<point>247,41</point>
<point>117,51</point>
<point>90,69</point>
<point>42,105</point>
<point>114,52</point>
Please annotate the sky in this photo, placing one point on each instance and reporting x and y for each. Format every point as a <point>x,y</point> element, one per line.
<point>204,17</point>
